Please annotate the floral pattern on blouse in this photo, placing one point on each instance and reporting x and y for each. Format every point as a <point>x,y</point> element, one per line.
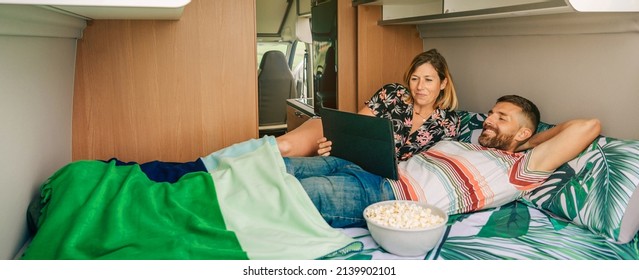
<point>391,102</point>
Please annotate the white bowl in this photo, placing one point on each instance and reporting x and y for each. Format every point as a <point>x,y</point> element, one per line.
<point>406,242</point>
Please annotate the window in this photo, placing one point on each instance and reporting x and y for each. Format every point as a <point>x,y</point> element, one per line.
<point>296,62</point>
<point>300,64</point>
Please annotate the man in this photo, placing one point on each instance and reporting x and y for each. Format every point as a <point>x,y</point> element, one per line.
<point>458,177</point>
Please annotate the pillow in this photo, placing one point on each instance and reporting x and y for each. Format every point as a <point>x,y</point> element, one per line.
<point>596,190</point>
<point>470,126</point>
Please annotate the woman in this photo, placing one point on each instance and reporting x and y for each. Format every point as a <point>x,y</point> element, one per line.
<point>421,115</point>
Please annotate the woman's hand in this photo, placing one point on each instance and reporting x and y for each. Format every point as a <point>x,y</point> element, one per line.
<point>324,146</point>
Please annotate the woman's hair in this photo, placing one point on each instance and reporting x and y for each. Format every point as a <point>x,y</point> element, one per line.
<point>447,98</point>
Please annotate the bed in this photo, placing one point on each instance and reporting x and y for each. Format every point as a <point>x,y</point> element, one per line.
<point>239,203</point>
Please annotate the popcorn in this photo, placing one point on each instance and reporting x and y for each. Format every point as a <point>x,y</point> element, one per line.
<point>403,215</point>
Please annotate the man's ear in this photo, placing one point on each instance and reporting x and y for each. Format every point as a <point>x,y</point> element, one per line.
<point>523,134</point>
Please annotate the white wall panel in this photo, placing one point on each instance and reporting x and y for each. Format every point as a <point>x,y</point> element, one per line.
<point>36,74</point>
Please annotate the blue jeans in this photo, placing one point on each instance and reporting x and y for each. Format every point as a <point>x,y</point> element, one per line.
<point>339,189</point>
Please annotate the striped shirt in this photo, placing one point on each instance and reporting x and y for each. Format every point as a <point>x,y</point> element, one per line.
<point>463,177</point>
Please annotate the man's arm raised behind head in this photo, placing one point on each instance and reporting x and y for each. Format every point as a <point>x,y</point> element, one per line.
<point>553,147</point>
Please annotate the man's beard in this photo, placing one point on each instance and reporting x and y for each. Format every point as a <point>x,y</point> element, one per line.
<point>498,141</point>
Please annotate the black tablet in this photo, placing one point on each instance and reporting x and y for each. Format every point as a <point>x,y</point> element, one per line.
<point>364,140</point>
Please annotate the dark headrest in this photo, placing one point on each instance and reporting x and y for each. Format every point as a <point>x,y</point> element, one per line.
<point>273,62</point>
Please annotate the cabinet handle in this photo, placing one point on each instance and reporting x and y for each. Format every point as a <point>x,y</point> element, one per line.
<point>298,114</point>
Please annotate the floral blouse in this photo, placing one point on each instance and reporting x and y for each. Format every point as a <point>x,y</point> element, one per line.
<point>390,102</point>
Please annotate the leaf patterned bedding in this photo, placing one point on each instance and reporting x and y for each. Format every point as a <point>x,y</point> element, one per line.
<point>513,231</point>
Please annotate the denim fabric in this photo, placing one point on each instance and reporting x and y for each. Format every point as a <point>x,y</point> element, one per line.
<point>339,189</point>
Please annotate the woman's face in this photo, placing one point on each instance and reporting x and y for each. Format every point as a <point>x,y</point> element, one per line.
<point>425,85</point>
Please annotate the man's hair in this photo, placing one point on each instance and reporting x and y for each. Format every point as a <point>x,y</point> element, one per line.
<point>529,109</point>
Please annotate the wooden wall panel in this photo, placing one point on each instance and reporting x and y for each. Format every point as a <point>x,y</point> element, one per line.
<point>383,52</point>
<point>346,56</point>
<point>167,90</point>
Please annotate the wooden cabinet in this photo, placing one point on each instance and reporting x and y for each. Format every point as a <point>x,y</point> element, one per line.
<point>158,90</point>
<point>439,11</point>
<point>298,111</point>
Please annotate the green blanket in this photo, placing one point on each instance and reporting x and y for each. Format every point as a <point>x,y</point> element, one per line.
<point>245,207</point>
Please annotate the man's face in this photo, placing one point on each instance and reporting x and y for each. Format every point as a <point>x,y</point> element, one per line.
<point>500,127</point>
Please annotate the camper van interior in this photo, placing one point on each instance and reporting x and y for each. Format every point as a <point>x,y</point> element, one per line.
<point>181,89</point>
